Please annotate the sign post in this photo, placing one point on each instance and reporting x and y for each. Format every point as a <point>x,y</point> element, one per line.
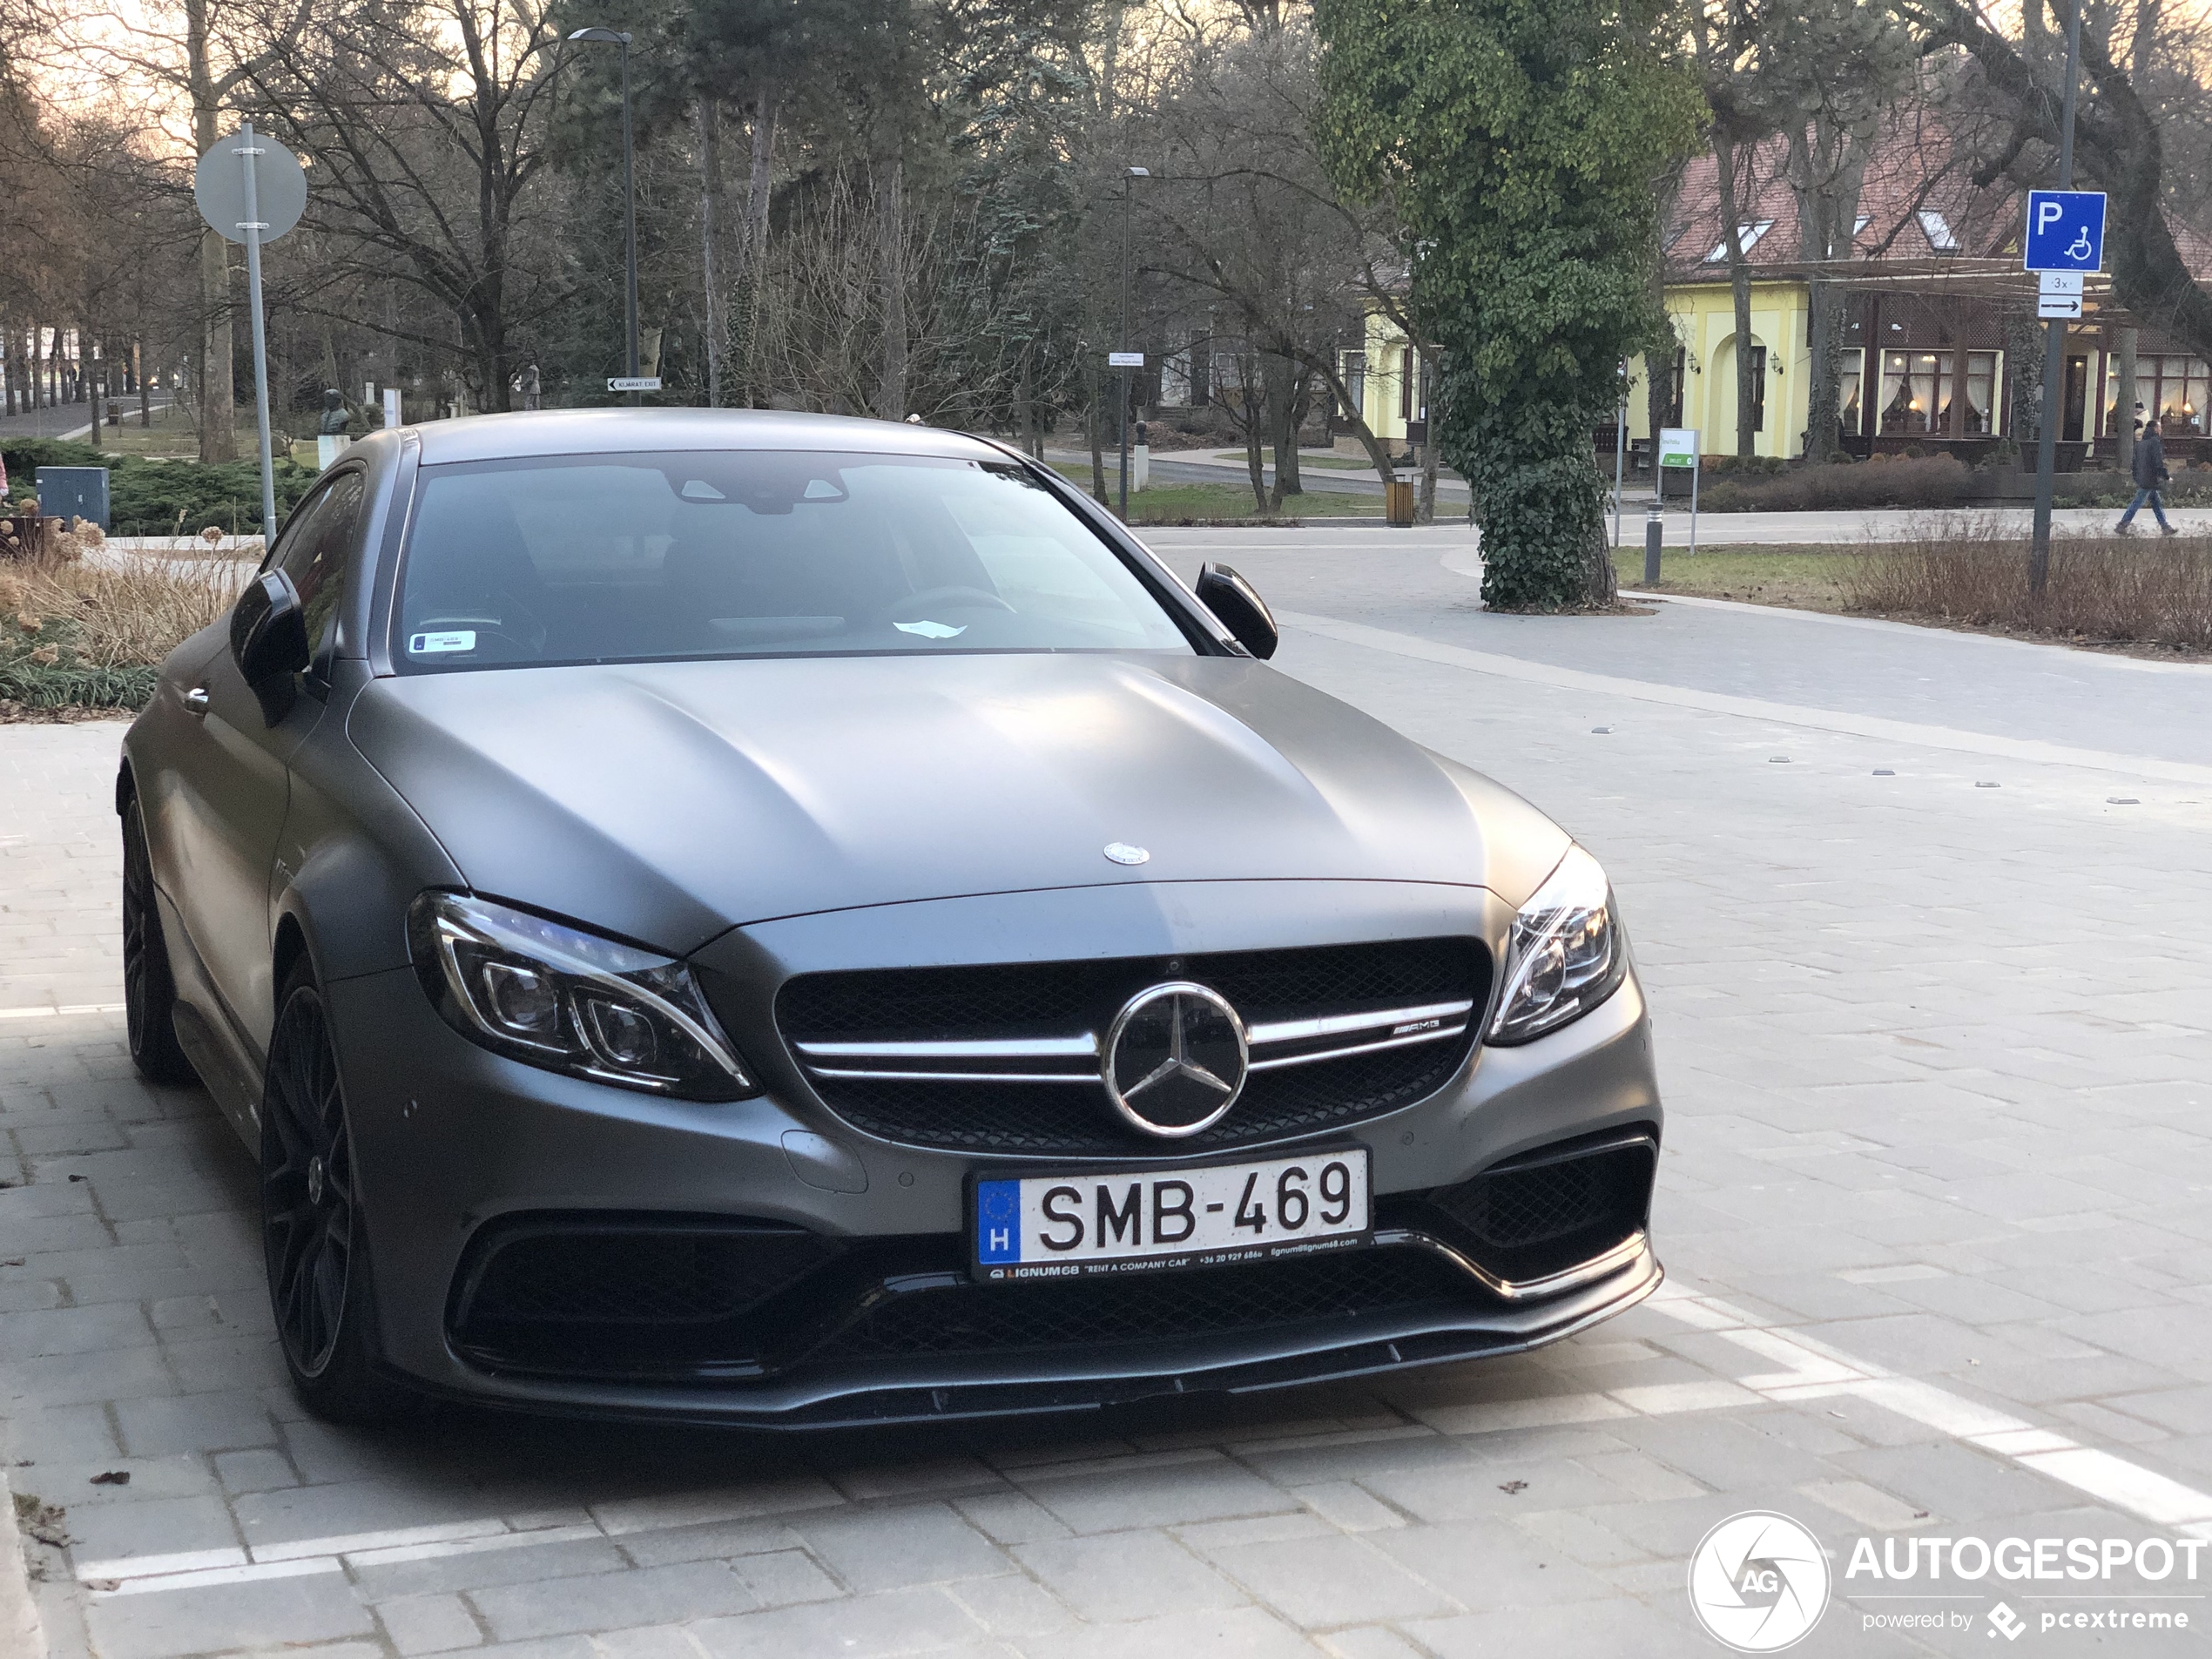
<point>2065,233</point>
<point>1678,448</point>
<point>1124,361</point>
<point>250,189</point>
<point>1619,451</point>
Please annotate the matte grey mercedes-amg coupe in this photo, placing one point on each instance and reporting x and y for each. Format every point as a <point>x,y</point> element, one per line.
<point>784,920</point>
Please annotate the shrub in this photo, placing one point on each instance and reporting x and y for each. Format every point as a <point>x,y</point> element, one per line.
<point>171,497</point>
<point>1904,480</point>
<point>87,634</point>
<point>24,456</point>
<point>152,498</point>
<point>2144,590</point>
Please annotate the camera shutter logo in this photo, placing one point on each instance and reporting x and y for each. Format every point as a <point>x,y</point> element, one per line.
<point>1758,1581</point>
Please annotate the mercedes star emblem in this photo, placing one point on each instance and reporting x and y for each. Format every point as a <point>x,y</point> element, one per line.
<point>1175,1059</point>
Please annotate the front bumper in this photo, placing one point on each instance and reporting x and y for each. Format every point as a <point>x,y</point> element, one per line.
<point>454,1144</point>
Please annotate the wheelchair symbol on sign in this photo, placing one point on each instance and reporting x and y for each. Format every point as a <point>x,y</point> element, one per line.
<point>2079,249</point>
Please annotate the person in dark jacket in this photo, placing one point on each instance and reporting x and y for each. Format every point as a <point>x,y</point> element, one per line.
<point>2150,476</point>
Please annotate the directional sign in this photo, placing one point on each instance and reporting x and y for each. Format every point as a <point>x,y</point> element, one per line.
<point>2058,294</point>
<point>634,383</point>
<point>2066,231</point>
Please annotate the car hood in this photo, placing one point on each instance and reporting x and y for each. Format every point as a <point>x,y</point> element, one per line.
<point>671,801</point>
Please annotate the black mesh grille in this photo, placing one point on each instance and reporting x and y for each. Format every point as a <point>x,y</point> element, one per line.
<point>997,1318</point>
<point>1532,1218</point>
<point>1059,998</point>
<point>671,1275</point>
<point>580,1297</point>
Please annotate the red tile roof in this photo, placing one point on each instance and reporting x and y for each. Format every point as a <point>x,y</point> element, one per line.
<point>1917,195</point>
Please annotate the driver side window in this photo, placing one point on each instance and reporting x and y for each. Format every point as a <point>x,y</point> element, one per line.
<point>313,551</point>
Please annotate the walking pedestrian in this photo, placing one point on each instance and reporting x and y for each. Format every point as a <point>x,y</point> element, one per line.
<point>2150,474</point>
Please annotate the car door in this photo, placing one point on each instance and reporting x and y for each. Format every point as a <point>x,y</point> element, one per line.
<point>231,784</point>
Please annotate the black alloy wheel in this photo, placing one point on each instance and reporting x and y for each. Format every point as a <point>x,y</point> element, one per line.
<point>149,992</point>
<point>314,1242</point>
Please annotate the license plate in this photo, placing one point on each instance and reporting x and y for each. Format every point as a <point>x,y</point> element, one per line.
<point>1138,1221</point>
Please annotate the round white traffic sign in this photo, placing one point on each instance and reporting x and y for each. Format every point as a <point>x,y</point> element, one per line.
<point>279,187</point>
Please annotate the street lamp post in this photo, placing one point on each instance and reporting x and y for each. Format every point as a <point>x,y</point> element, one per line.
<point>1127,174</point>
<point>621,38</point>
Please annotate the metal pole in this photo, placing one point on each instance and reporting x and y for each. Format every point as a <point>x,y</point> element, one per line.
<point>1696,468</point>
<point>2046,457</point>
<point>1620,453</point>
<point>1124,346</point>
<point>253,225</point>
<point>629,220</point>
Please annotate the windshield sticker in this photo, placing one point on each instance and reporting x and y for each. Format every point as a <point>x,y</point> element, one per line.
<point>930,630</point>
<point>429,645</point>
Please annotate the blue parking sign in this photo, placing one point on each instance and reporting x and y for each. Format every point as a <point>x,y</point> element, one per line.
<point>2066,230</point>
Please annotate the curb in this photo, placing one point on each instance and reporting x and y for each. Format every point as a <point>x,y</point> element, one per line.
<point>21,1631</point>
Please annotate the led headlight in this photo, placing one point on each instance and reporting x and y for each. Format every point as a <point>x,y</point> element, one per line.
<point>569,1000</point>
<point>1566,955</point>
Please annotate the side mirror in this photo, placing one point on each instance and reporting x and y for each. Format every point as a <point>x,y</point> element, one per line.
<point>269,640</point>
<point>1240,609</point>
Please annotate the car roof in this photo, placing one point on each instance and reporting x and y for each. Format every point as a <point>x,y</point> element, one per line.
<point>616,431</point>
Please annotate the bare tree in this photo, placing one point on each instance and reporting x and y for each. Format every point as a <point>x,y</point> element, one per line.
<point>428,156</point>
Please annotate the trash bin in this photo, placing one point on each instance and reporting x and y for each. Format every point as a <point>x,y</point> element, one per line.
<point>1398,503</point>
<point>74,492</point>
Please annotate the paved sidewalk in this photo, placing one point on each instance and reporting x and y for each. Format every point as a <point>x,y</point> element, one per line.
<point>1934,1204</point>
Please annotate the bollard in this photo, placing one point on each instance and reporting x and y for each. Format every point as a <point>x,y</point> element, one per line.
<point>1654,526</point>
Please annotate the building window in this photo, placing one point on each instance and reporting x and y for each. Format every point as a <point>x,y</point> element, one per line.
<point>2181,385</point>
<point>1851,414</point>
<point>1916,391</point>
<point>1355,382</point>
<point>1175,380</point>
<point>1937,229</point>
<point>1981,412</point>
<point>1748,233</point>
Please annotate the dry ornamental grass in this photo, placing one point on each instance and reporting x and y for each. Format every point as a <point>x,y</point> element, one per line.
<point>2139,590</point>
<point>87,631</point>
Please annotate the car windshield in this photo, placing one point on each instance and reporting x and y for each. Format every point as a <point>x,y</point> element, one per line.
<point>755,553</point>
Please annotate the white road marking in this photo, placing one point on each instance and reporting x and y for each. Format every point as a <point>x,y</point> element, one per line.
<point>213,1575</point>
<point>1863,725</point>
<point>1802,1368</point>
<point>1812,1370</point>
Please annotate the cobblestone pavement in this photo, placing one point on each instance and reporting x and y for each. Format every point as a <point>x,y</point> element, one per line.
<point>1922,921</point>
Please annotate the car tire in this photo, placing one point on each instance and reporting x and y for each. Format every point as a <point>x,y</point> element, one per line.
<point>314,1239</point>
<point>149,988</point>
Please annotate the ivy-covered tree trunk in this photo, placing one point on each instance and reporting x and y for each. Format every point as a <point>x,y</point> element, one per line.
<point>1519,140</point>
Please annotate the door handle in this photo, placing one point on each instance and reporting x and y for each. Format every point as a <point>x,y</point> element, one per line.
<point>196,700</point>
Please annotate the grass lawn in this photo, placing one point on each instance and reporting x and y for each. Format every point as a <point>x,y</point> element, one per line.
<point>1180,503</point>
<point>1806,577</point>
<point>172,438</point>
<point>1345,463</point>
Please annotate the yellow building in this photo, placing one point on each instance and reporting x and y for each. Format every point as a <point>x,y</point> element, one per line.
<point>1385,377</point>
<point>1386,381</point>
<point>1705,319</point>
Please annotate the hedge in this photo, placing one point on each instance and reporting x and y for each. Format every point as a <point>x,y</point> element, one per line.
<point>151,497</point>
